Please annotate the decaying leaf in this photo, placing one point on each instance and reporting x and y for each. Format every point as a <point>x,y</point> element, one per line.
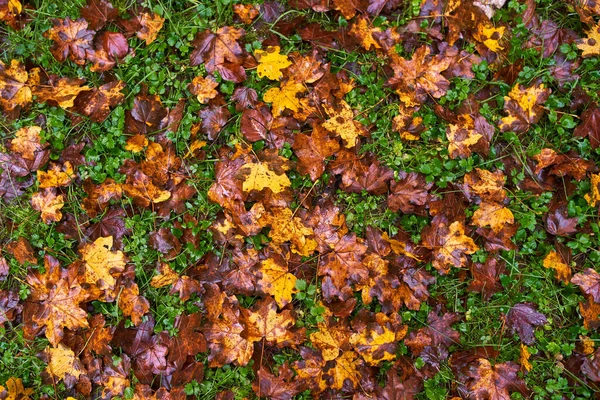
<point>554,261</point>
<point>590,46</point>
<point>270,63</point>
<point>49,204</point>
<point>260,176</point>
<point>524,107</point>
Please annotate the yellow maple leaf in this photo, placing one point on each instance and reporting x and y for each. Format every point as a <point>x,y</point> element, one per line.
<point>364,33</point>
<point>165,277</point>
<point>285,227</point>
<point>461,137</point>
<point>49,204</point>
<point>346,368</point>
<point>284,97</point>
<point>454,248</point>
<point>15,389</point>
<point>56,176</point>
<point>136,143</point>
<point>151,25</point>
<point>62,361</point>
<point>343,124</point>
<point>270,63</point>
<point>524,358</point>
<point>588,345</point>
<point>102,265</point>
<point>590,45</point>
<point>27,141</point>
<point>14,90</point>
<point>594,196</point>
<point>378,344</point>
<point>555,262</point>
<point>277,281</point>
<point>494,215</point>
<point>204,88</point>
<point>260,176</point>
<point>490,36</point>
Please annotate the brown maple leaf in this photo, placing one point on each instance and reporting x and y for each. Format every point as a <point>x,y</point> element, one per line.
<point>524,107</point>
<point>281,387</point>
<point>377,336</point>
<point>589,282</point>
<point>522,318</point>
<point>146,115</point>
<point>409,193</point>
<point>486,277</point>
<point>57,295</point>
<point>71,39</point>
<point>421,75</point>
<point>97,103</point>
<point>343,266</point>
<point>98,12</point>
<point>590,126</point>
<point>220,51</point>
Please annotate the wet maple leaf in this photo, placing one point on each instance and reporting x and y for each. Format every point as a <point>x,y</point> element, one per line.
<point>524,358</point>
<point>286,227</point>
<point>143,190</point>
<point>589,282</point>
<point>282,387</point>
<point>63,362</point>
<point>345,374</point>
<point>590,311</point>
<point>166,276</point>
<point>189,341</point>
<point>259,176</point>
<point>270,63</point>
<point>217,49</point>
<point>378,336</point>
<point>332,338</point>
<point>590,126</point>
<point>342,123</point>
<point>204,88</point>
<point>486,185</point>
<point>15,390</point>
<point>486,277</point>
<point>246,12</point>
<point>132,303</point>
<point>438,332</point>
<point>10,306</point>
<point>490,36</point>
<point>224,340</point>
<point>98,12</point>
<point>14,90</point>
<point>421,74</point>
<point>284,97</point>
<point>449,243</point>
<point>554,261</point>
<point>494,215</point>
<point>343,265</point>
<point>71,39</point>
<point>263,322</point>
<point>97,103</point>
<point>409,192</point>
<point>276,281</point>
<point>462,137</point>
<point>22,251</point>
<point>58,295</point>
<point>27,142</point>
<point>364,33</point>
<point>307,68</point>
<point>115,378</point>
<point>102,265</point>
<point>61,91</point>
<point>151,25</point>
<point>481,380</point>
<point>56,176</point>
<point>524,107</point>
<point>557,221</point>
<point>590,46</point>
<point>49,204</point>
<point>522,318</point>
<point>146,115</point>
<point>100,195</point>
<point>312,151</point>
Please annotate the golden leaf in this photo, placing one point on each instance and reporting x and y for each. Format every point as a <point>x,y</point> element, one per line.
<point>284,97</point>
<point>16,390</point>
<point>594,196</point>
<point>346,367</point>
<point>588,345</point>
<point>27,142</point>
<point>260,177</point>
<point>246,12</point>
<point>492,214</point>
<point>490,36</point>
<point>49,204</point>
<point>277,281</point>
<point>524,358</point>
<point>554,261</point>
<point>270,63</point>
<point>151,25</point>
<point>102,264</point>
<point>165,277</point>
<point>63,92</point>
<point>590,45</point>
<point>285,227</point>
<point>14,91</point>
<point>62,362</point>
<point>343,124</point>
<point>56,176</point>
<point>204,88</point>
<point>364,33</point>
<point>136,143</point>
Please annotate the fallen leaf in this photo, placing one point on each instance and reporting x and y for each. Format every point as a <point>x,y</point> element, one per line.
<point>589,282</point>
<point>342,123</point>
<point>524,107</point>
<point>102,265</point>
<point>554,261</point>
<point>49,204</point>
<point>284,97</point>
<point>204,88</point>
<point>590,46</point>
<point>522,318</point>
<point>151,25</point>
<point>270,63</point>
<point>259,176</point>
<point>63,362</point>
<point>14,90</point>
